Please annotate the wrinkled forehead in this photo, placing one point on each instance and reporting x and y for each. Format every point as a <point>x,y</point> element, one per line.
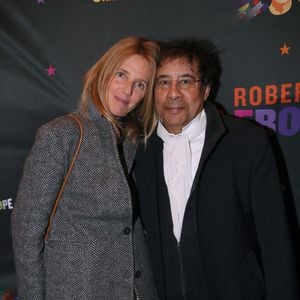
<point>178,65</point>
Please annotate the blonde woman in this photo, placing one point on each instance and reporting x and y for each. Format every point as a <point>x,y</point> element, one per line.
<point>95,248</point>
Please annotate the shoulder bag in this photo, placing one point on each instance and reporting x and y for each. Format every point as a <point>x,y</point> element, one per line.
<point>65,180</point>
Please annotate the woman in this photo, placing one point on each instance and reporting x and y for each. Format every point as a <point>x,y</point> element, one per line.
<point>95,248</point>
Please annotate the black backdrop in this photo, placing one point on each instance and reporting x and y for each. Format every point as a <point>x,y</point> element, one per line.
<point>47,45</point>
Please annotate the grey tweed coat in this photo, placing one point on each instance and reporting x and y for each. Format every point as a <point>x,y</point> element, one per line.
<point>94,250</point>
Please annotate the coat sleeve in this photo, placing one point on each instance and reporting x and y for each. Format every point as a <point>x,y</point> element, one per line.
<point>42,175</point>
<point>271,225</point>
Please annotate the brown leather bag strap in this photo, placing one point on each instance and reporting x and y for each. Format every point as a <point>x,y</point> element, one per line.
<point>78,122</point>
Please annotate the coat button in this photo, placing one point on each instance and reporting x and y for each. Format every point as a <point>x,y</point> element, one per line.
<point>127,230</point>
<point>137,274</point>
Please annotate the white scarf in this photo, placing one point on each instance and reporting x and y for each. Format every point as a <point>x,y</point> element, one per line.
<point>181,155</point>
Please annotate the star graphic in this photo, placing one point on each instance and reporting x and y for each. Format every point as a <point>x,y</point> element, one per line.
<point>40,1</point>
<point>285,49</point>
<point>51,71</point>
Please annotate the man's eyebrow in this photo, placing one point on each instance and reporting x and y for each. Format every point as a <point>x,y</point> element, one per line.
<point>163,76</point>
<point>181,75</point>
<point>187,75</point>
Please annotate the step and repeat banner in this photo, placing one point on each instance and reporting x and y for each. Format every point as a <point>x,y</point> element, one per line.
<point>47,45</point>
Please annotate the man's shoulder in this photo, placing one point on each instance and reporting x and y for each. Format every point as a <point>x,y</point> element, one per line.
<point>243,127</point>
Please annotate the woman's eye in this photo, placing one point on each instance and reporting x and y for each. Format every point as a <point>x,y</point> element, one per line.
<point>141,85</point>
<point>120,75</point>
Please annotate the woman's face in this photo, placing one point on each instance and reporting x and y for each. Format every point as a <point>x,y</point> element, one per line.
<point>128,85</point>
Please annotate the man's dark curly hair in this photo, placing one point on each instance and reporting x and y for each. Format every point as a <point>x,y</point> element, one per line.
<point>201,51</point>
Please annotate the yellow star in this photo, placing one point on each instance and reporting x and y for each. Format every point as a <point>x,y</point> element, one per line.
<point>285,49</point>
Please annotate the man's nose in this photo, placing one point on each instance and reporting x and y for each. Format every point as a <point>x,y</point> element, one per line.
<point>173,90</point>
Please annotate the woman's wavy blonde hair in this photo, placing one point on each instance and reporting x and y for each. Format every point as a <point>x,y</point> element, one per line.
<point>142,120</point>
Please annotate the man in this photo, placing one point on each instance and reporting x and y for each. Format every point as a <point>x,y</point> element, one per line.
<point>209,191</point>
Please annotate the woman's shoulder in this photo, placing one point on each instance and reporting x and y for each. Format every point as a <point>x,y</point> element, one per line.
<point>65,123</point>
<point>61,128</point>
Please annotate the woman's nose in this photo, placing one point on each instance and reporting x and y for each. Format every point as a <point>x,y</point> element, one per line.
<point>128,88</point>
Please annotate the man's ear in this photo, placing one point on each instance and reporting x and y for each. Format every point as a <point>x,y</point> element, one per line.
<point>206,92</point>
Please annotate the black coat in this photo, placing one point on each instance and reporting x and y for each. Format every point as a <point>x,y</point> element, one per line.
<point>240,219</point>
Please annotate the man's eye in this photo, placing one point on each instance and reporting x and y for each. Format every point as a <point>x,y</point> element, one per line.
<point>163,82</point>
<point>186,81</point>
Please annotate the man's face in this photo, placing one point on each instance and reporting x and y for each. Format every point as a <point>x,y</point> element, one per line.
<point>177,104</point>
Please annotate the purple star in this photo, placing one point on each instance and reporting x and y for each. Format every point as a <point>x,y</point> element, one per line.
<point>40,1</point>
<point>51,71</point>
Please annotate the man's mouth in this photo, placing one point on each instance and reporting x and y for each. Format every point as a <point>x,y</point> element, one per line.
<point>174,109</point>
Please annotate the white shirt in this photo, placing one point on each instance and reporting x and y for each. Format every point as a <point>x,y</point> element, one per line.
<point>181,156</point>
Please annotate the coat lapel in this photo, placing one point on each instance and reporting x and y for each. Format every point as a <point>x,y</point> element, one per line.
<point>150,164</point>
<point>161,184</point>
<point>215,129</point>
<point>129,153</point>
<point>105,128</point>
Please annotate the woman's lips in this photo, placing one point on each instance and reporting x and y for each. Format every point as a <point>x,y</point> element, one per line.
<point>124,101</point>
